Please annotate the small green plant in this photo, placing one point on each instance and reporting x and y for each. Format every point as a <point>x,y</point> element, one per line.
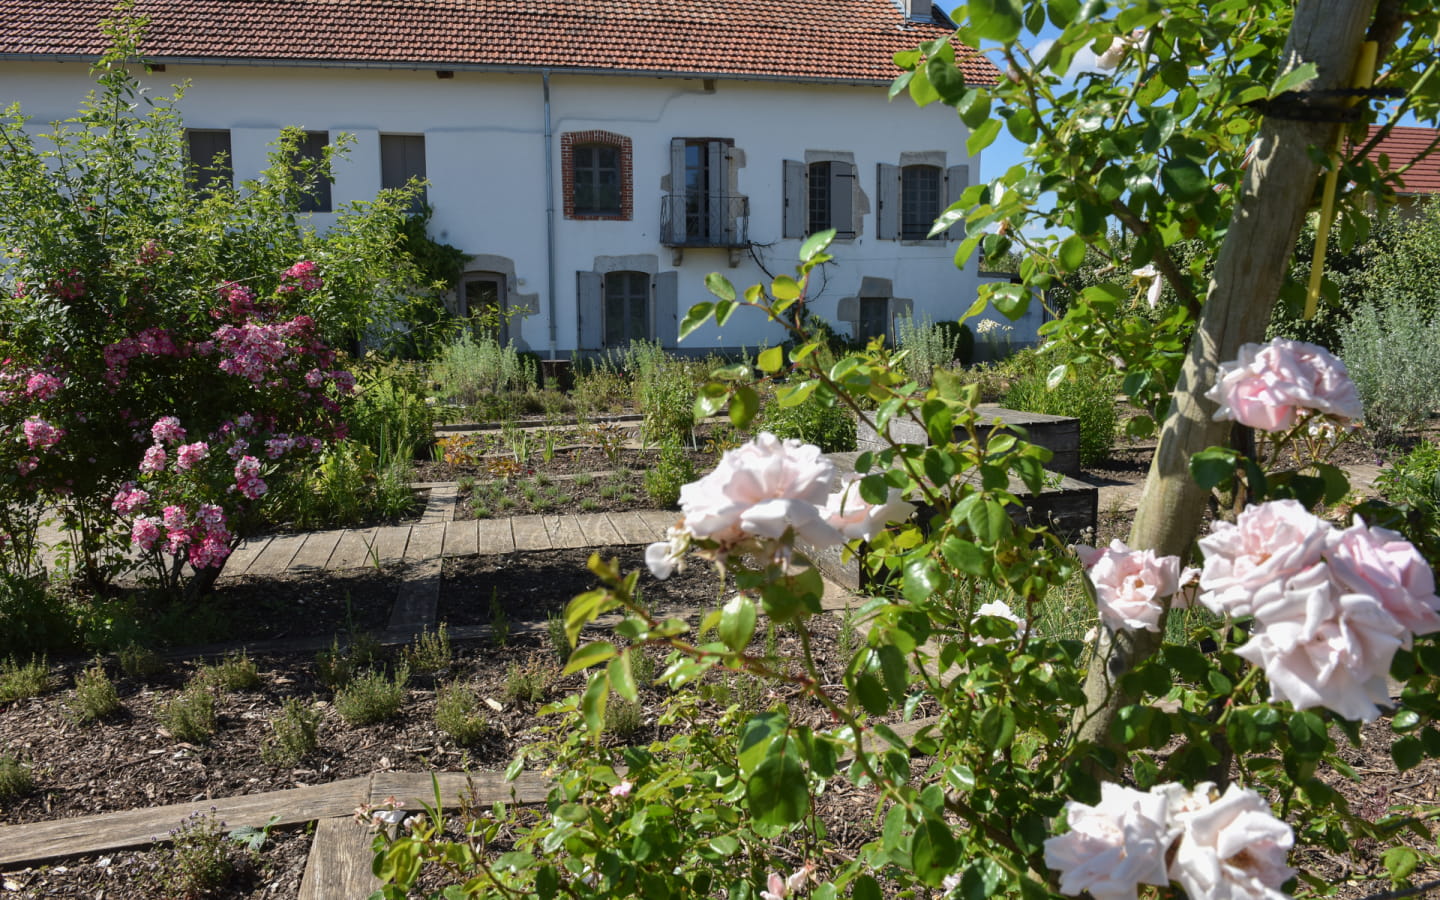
<point>199,861</point>
<point>16,780</point>
<point>336,666</point>
<point>431,651</point>
<point>672,471</point>
<point>373,696</point>
<point>584,480</point>
<point>528,682</point>
<point>1389,349</point>
<point>19,681</point>
<point>481,511</point>
<point>642,667</point>
<point>499,622</point>
<point>189,717</point>
<point>589,504</point>
<point>927,346</point>
<point>138,661</point>
<point>559,641</point>
<point>456,714</point>
<point>294,734</point>
<point>847,640</point>
<point>1086,394</point>
<point>817,420</point>
<point>94,697</point>
<point>236,672</point>
<point>622,717</point>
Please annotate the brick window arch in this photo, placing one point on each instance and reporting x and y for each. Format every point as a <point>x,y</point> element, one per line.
<point>596,169</point>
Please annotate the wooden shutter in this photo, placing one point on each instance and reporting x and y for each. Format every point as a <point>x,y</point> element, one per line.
<point>675,203</point>
<point>887,192</point>
<point>796,216</point>
<point>842,199</point>
<point>665,288</point>
<point>957,179</point>
<point>590,309</point>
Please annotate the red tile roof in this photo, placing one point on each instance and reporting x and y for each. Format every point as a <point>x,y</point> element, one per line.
<point>1402,146</point>
<point>834,40</point>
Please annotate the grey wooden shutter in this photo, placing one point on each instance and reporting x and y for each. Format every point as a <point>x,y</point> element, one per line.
<point>842,199</point>
<point>589,309</point>
<point>887,191</point>
<point>722,222</point>
<point>665,288</point>
<point>957,178</point>
<point>675,203</point>
<point>796,216</point>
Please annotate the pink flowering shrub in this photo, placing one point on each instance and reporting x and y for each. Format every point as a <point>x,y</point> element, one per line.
<point>1132,586</point>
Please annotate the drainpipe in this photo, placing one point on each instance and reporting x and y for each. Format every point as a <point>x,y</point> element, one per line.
<point>549,210</point>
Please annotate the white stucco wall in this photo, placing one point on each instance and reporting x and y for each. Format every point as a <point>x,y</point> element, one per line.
<point>484,137</point>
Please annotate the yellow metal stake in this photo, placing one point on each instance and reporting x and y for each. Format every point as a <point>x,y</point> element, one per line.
<point>1364,78</point>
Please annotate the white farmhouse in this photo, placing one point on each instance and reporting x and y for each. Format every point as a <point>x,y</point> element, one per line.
<point>596,158</point>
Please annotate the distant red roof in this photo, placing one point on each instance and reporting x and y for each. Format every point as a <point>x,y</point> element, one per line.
<point>1402,146</point>
<point>834,40</point>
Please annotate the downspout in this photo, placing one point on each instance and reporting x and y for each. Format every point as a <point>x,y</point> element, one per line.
<point>549,210</point>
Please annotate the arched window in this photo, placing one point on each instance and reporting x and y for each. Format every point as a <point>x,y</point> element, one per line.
<point>596,175</point>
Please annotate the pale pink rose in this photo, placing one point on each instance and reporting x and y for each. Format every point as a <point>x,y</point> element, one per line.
<point>668,556</point>
<point>1233,849</point>
<point>167,430</point>
<point>622,789</point>
<point>1131,585</point>
<point>189,455</point>
<point>1113,847</point>
<point>1247,562</point>
<point>1381,563</point>
<point>154,460</point>
<point>1319,646</point>
<point>1271,385</point>
<point>854,517</point>
<point>765,469</point>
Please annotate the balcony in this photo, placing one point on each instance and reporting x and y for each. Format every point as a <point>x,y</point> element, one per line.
<point>704,220</point>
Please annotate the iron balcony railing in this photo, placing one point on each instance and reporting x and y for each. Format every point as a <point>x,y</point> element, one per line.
<point>704,220</point>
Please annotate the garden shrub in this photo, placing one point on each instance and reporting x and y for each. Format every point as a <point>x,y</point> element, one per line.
<point>294,734</point>
<point>18,681</point>
<point>32,619</point>
<point>199,860</point>
<point>236,672</point>
<point>94,697</point>
<point>1086,394</point>
<point>928,347</point>
<point>816,420</point>
<point>373,696</point>
<point>168,354</point>
<point>671,471</point>
<point>16,779</point>
<point>457,714</point>
<point>190,715</point>
<point>1390,350</point>
<point>471,368</point>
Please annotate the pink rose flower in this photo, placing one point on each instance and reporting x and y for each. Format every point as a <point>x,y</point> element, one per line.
<point>1233,848</point>
<point>167,430</point>
<point>129,499</point>
<point>1131,585</point>
<point>189,455</point>
<point>1246,563</point>
<point>209,553</point>
<point>154,460</point>
<point>174,517</point>
<point>849,513</point>
<point>40,434</point>
<point>1115,846</point>
<point>1320,646</point>
<point>144,532</point>
<point>762,488</point>
<point>1382,564</point>
<point>1270,385</point>
<point>666,557</point>
<point>27,464</point>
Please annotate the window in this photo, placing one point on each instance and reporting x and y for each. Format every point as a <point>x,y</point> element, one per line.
<point>310,154</point>
<point>919,201</point>
<point>627,308</point>
<point>209,154</point>
<point>597,180</point>
<point>596,174</point>
<point>913,195</point>
<point>402,157</point>
<point>483,300</point>
<point>702,210</point>
<point>820,195</point>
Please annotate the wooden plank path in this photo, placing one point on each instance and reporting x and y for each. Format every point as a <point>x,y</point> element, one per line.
<point>354,550</point>
<point>276,556</point>
<point>530,533</point>
<point>315,553</point>
<point>598,530</point>
<point>565,533</point>
<point>244,555</point>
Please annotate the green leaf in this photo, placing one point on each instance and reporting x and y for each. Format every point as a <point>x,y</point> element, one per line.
<point>1213,467</point>
<point>1407,752</point>
<point>922,580</point>
<point>921,90</point>
<point>590,655</point>
<point>593,703</point>
<point>785,288</point>
<point>1056,376</point>
<point>816,243</point>
<point>1072,252</point>
<point>983,136</point>
<point>996,20</point>
<point>796,394</point>
<point>1292,79</point>
<point>865,888</point>
<point>997,727</point>
<point>946,78</point>
<point>720,286</point>
<point>1308,735</point>
<point>776,792</point>
<point>743,406</point>
<point>696,317</point>
<point>989,521</point>
<point>756,736</point>
<point>771,360</point>
<point>737,622</point>
<point>1400,862</point>
<point>1010,300</point>
<point>933,851</point>
<point>622,677</point>
<point>1185,179</point>
<point>966,557</point>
